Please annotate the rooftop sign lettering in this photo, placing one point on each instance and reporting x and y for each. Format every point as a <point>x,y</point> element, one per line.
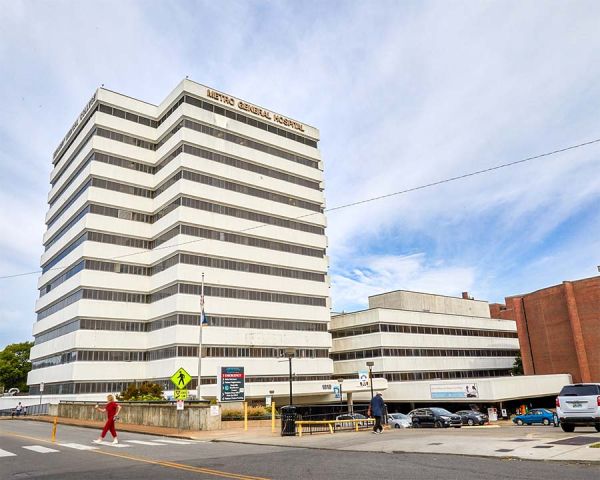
<point>82,115</point>
<point>260,112</point>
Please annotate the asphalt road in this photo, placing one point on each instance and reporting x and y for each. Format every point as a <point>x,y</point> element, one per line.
<point>24,454</point>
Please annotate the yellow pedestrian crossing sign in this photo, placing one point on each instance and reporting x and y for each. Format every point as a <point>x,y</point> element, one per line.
<point>180,394</point>
<point>181,378</point>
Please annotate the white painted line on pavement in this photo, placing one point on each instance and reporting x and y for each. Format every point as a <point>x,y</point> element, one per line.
<point>78,446</point>
<point>116,445</point>
<point>143,442</point>
<point>174,442</point>
<point>4,453</point>
<point>40,449</point>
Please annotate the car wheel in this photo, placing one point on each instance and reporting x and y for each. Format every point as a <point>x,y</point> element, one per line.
<point>416,425</point>
<point>396,425</point>
<point>546,421</point>
<point>438,424</point>
<point>470,422</point>
<point>519,422</point>
<point>567,428</point>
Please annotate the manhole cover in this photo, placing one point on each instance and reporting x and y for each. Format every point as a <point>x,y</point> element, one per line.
<point>504,450</point>
<point>576,441</point>
<point>544,446</point>
<point>523,440</point>
<point>435,443</point>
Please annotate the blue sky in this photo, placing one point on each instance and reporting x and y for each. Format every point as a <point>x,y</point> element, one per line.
<point>404,93</point>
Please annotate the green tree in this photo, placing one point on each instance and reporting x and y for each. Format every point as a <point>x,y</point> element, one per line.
<point>517,368</point>
<point>15,365</point>
<point>144,392</point>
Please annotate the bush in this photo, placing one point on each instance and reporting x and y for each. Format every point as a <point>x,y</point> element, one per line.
<point>145,392</point>
<point>238,413</point>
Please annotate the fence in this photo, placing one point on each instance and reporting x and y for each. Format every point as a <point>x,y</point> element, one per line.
<point>38,409</point>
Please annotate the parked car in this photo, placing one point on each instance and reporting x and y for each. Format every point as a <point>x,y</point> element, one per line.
<point>537,415</point>
<point>434,417</point>
<point>399,420</point>
<point>471,417</point>
<point>350,416</point>
<point>579,405</point>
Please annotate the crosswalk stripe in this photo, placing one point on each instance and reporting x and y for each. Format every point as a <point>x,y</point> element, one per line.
<point>4,453</point>
<point>40,449</point>
<point>174,442</point>
<point>78,446</point>
<point>143,442</point>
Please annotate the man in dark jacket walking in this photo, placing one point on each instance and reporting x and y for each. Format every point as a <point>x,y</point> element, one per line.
<point>377,408</point>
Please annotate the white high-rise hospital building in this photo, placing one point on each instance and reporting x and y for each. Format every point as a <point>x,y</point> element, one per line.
<point>146,198</point>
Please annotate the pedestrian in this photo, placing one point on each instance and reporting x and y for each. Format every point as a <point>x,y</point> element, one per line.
<point>19,409</point>
<point>377,408</point>
<point>112,409</point>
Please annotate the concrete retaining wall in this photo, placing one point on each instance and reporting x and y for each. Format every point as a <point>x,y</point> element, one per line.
<point>192,417</point>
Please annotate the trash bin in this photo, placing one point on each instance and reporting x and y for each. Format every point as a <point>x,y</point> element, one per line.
<point>288,421</point>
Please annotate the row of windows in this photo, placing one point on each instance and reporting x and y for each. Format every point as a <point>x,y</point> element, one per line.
<point>172,352</point>
<point>62,278</point>
<point>132,117</point>
<point>421,330</point>
<point>237,139</point>
<point>183,230</point>
<point>246,119</point>
<point>128,139</point>
<point>70,160</point>
<point>185,258</point>
<point>74,177</point>
<point>52,220</point>
<point>423,352</point>
<point>58,235</point>
<point>179,319</point>
<point>183,288</point>
<point>120,385</point>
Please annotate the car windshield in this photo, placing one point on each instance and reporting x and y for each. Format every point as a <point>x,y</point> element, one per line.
<point>398,416</point>
<point>358,415</point>
<point>579,390</point>
<point>441,411</point>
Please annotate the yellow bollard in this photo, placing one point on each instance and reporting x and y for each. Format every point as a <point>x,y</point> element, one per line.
<point>272,417</point>
<point>245,416</point>
<point>54,429</point>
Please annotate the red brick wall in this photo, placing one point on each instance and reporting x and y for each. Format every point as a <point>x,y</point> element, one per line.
<point>501,312</point>
<point>546,334</point>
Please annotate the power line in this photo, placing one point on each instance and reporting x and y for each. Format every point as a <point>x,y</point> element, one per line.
<point>347,205</point>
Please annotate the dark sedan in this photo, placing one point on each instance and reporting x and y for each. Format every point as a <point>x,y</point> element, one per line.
<point>471,417</point>
<point>434,417</point>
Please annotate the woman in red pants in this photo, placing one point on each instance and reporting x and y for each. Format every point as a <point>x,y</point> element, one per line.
<point>112,409</point>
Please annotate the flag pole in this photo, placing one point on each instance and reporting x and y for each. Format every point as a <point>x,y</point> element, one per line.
<point>198,394</point>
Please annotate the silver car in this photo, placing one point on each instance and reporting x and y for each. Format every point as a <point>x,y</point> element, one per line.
<point>399,420</point>
<point>579,405</point>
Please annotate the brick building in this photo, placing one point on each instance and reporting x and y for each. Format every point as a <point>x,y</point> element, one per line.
<point>559,328</point>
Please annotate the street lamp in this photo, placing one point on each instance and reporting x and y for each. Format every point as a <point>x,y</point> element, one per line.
<point>290,352</point>
<point>370,365</point>
<point>341,380</point>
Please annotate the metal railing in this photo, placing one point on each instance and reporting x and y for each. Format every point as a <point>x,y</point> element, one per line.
<point>37,409</point>
<point>332,426</point>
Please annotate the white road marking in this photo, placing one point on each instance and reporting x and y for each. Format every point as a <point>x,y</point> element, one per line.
<point>4,453</point>
<point>143,442</point>
<point>116,445</point>
<point>174,442</point>
<point>40,449</point>
<point>78,446</point>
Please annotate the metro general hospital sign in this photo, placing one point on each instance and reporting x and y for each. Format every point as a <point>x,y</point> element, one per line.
<point>226,99</point>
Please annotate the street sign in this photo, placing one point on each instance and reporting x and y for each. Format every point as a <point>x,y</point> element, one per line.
<point>363,378</point>
<point>231,384</point>
<point>180,404</point>
<point>41,387</point>
<point>336,391</point>
<point>181,378</point>
<point>268,401</point>
<point>180,394</point>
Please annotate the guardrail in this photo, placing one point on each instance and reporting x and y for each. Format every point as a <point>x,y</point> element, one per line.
<point>321,426</point>
<point>28,410</point>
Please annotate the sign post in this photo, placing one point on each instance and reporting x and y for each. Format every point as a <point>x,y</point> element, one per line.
<point>41,391</point>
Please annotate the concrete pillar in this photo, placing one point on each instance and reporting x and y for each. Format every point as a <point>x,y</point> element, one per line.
<point>350,402</point>
<point>580,351</point>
